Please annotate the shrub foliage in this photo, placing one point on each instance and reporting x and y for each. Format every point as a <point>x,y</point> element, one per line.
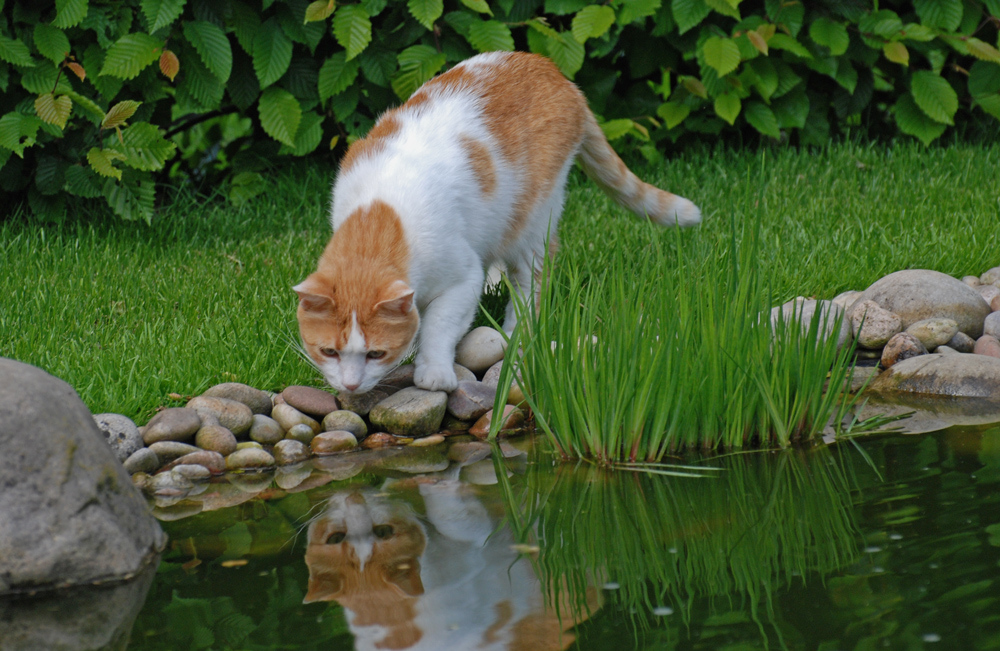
<point>102,98</point>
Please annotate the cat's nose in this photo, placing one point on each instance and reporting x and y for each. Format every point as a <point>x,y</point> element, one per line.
<point>350,386</point>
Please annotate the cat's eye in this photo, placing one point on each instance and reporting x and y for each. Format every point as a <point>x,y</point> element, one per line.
<point>382,531</point>
<point>336,538</point>
<point>376,354</point>
<point>330,352</point>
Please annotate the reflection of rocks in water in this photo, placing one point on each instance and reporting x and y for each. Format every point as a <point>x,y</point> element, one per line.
<point>77,620</point>
<point>931,414</point>
<point>429,570</point>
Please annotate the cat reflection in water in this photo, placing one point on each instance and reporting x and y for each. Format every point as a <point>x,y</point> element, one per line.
<point>443,581</point>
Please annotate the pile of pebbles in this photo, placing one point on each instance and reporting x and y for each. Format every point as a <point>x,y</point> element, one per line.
<point>930,333</point>
<point>236,428</point>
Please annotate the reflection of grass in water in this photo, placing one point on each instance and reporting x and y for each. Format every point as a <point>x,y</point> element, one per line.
<point>737,537</point>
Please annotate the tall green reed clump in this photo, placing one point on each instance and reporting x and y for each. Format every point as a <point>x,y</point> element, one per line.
<point>665,349</point>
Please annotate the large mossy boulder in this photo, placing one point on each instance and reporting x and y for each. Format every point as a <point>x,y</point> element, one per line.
<point>69,514</point>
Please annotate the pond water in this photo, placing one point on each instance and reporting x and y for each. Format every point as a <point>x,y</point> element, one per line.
<point>892,543</point>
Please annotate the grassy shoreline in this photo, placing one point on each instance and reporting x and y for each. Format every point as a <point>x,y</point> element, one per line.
<point>128,314</point>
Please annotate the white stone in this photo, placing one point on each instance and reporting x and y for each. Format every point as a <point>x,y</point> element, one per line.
<point>480,349</point>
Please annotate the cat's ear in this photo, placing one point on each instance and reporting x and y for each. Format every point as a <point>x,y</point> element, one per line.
<point>312,296</point>
<point>397,300</point>
<point>407,579</point>
<point>324,588</point>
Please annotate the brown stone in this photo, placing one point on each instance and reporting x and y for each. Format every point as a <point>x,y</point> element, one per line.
<point>311,401</point>
<point>216,438</point>
<point>987,345</point>
<point>333,442</point>
<point>902,345</point>
<point>231,414</point>
<point>470,400</point>
<point>211,460</point>
<point>513,418</point>
<point>173,424</point>
<point>383,440</point>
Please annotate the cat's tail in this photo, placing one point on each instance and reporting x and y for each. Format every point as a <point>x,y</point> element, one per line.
<point>604,167</point>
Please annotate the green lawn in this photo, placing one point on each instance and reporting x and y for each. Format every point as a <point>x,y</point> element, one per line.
<point>128,313</point>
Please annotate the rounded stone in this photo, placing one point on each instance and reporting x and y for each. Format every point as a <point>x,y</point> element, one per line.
<point>142,460</point>
<point>258,401</point>
<point>971,281</point>
<point>962,342</point>
<point>872,325</point>
<point>252,483</point>
<point>463,374</point>
<point>167,451</point>
<point>192,471</point>
<point>945,350</point>
<point>470,400</point>
<point>249,445</point>
<point>288,416</point>
<point>121,434</point>
<point>399,377</point>
<point>249,458</point>
<point>512,419</point>
<point>995,304</point>
<point>301,433</point>
<point>492,375</point>
<point>345,420</point>
<point>265,430</point>
<point>480,349</point>
<point>902,345</point>
<point>966,376</point>
<point>933,332</point>
<point>310,401</point>
<point>410,412</point>
<point>987,345</point>
<point>803,310</point>
<point>990,276</point>
<point>918,294</point>
<point>427,441</point>
<point>991,325</point>
<point>846,299</point>
<point>216,438</point>
<point>988,292</point>
<point>382,440</point>
<point>287,452</point>
<point>169,484</point>
<point>172,424</point>
<point>362,403</point>
<point>333,442</point>
<point>233,415</point>
<point>292,475</point>
<point>214,461</point>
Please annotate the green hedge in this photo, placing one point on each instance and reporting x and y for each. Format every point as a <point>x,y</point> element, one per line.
<point>103,99</point>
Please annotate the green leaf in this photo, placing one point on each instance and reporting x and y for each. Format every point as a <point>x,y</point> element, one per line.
<point>722,54</point>
<point>946,14</point>
<point>993,7</point>
<point>47,208</point>
<point>615,129</point>
<point>246,186</point>
<point>913,121</point>
<point>689,13</point>
<point>982,51</point>
<point>336,75</point>
<point>490,35</point>
<point>130,54</point>
<point>592,22</point>
<point>633,10</point>
<point>120,112</point>
<point>762,119</point>
<point>564,7</point>
<point>789,44</point>
<point>50,174</point>
<point>915,32</point>
<point>160,13</point>
<point>82,182</point>
<point>727,107</point>
<point>723,7</point>
<point>280,114</point>
<point>673,113</point>
<point>417,64</point>
<point>69,13</point>
<point>308,137</point>
<point>480,6</point>
<point>847,76</point>
<point>243,86</point>
<point>272,52</point>
<point>353,29</point>
<point>885,24</point>
<point>767,77</point>
<point>984,79</point>
<point>131,198</point>
<point>934,95</point>
<point>567,53</point>
<point>51,42</point>
<point>830,34</point>
<point>101,160</point>
<point>425,11</point>
<point>319,10</point>
<point>896,52</point>
<point>18,131</point>
<point>792,109</point>
<point>212,46</point>
<point>54,110</point>
<point>378,65</point>
<point>197,87</point>
<point>14,51</point>
<point>88,105</point>
<point>145,148</point>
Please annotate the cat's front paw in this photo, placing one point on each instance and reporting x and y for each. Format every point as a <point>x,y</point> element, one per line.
<point>435,378</point>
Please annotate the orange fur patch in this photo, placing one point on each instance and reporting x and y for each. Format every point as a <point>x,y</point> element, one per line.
<point>482,164</point>
<point>386,127</point>
<point>356,271</point>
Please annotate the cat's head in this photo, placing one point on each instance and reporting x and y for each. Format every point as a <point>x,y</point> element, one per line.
<point>354,340</point>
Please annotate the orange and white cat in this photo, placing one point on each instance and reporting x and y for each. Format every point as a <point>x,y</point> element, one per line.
<point>468,173</point>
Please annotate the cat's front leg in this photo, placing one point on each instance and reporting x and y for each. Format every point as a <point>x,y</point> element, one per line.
<point>442,324</point>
